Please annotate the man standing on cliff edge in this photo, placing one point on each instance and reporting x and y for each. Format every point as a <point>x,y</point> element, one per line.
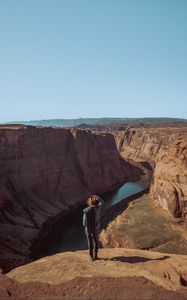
<point>91,223</point>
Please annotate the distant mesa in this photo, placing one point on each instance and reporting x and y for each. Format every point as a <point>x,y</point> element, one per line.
<point>92,122</point>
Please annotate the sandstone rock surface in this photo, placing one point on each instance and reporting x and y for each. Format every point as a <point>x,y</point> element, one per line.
<point>119,274</point>
<point>169,182</point>
<point>165,150</point>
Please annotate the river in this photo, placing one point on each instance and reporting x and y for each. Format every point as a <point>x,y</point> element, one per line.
<point>68,234</point>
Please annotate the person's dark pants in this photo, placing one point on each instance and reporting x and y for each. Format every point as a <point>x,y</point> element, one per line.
<point>92,239</point>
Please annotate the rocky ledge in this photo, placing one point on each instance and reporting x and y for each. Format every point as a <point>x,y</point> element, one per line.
<point>119,274</point>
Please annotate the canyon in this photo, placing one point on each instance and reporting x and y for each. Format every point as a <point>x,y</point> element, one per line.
<point>44,173</point>
<point>143,224</point>
<point>164,150</point>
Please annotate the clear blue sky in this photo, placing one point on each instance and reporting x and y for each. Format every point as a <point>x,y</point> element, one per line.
<point>92,58</point>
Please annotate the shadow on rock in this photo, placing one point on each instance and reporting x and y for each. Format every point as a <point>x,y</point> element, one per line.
<point>183,281</point>
<point>136,259</point>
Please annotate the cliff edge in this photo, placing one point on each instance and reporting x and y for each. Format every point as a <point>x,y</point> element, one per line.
<point>119,274</point>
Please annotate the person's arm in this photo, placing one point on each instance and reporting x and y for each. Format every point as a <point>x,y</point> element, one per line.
<point>101,202</point>
<point>84,220</point>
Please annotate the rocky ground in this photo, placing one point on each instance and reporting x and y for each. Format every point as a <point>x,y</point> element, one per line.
<point>119,274</point>
<point>145,225</point>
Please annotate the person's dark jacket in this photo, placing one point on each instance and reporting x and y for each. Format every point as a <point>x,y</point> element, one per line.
<point>91,217</point>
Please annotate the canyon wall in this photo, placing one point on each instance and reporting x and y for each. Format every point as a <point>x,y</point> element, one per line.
<point>44,173</point>
<point>164,150</point>
<point>169,181</point>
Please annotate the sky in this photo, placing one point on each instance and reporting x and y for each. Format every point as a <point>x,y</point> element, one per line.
<point>92,58</point>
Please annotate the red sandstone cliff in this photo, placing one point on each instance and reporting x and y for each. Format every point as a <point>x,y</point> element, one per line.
<point>169,182</point>
<point>44,172</point>
<point>143,144</point>
<point>165,149</point>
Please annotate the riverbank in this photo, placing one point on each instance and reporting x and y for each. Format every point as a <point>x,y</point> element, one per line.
<point>144,225</point>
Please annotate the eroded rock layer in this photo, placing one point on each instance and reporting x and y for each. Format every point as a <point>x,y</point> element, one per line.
<point>44,173</point>
<point>169,182</point>
<point>164,150</point>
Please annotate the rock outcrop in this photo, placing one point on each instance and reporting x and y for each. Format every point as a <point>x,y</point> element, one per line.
<point>44,173</point>
<point>165,151</point>
<point>119,274</point>
<point>169,181</point>
<point>143,144</point>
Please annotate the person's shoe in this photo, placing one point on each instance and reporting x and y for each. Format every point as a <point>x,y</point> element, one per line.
<point>91,258</point>
<point>96,258</point>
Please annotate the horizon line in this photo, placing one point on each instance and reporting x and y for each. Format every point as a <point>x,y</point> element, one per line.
<point>92,118</point>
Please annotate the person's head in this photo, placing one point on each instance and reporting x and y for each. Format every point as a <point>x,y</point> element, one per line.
<point>93,200</point>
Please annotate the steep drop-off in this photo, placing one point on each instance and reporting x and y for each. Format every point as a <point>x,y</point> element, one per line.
<point>164,150</point>
<point>44,173</point>
<point>169,182</point>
